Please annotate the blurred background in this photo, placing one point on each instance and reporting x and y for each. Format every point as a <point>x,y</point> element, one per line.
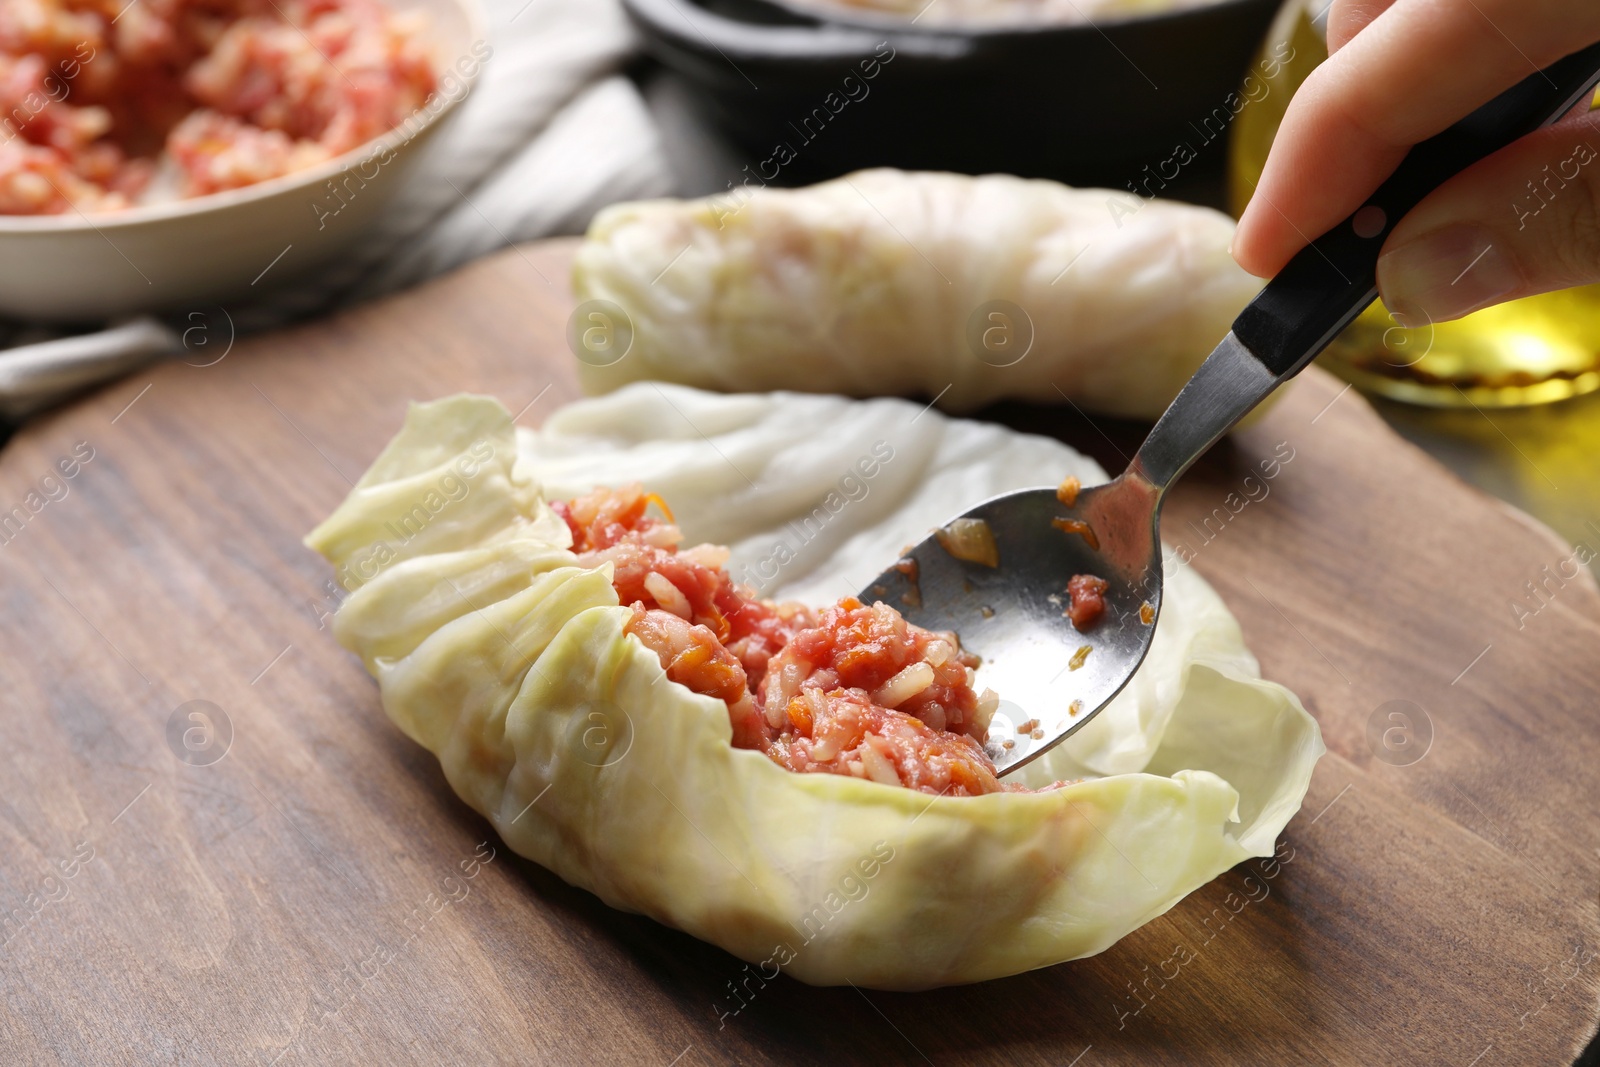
<point>559,107</point>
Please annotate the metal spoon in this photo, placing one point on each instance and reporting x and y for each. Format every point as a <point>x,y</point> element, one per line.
<point>1013,614</point>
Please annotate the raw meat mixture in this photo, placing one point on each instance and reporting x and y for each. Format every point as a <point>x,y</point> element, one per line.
<point>93,92</point>
<point>853,689</point>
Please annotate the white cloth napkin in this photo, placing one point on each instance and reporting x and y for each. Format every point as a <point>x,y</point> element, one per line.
<point>549,135</point>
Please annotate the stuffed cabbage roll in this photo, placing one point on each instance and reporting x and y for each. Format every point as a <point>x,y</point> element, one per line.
<point>626,700</point>
<point>889,282</point>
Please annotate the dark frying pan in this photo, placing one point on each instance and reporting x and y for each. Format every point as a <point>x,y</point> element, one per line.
<point>1086,104</point>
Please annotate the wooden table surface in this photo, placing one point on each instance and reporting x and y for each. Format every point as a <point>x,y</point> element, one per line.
<point>275,889</point>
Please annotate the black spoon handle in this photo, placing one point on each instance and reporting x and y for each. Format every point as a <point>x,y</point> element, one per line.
<point>1334,279</point>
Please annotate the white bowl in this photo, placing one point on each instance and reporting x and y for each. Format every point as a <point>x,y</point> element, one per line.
<point>194,253</point>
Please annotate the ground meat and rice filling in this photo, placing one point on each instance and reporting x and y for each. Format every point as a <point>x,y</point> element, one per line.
<point>94,94</point>
<point>853,689</point>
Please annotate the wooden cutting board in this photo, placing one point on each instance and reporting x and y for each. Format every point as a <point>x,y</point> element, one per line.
<point>318,895</point>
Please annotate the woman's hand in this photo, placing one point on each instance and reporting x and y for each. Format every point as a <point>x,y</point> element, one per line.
<point>1524,221</point>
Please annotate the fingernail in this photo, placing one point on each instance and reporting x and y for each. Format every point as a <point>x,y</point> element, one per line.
<point>1446,274</point>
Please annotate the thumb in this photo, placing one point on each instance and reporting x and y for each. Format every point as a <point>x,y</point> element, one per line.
<point>1522,222</point>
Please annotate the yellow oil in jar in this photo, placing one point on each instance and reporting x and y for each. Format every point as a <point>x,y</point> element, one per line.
<point>1531,351</point>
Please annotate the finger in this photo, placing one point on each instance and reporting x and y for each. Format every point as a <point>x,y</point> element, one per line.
<point>1417,68</point>
<point>1346,18</point>
<point>1522,222</point>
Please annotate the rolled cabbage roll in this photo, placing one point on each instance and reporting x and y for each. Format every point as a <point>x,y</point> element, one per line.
<point>495,648</point>
<point>888,282</point>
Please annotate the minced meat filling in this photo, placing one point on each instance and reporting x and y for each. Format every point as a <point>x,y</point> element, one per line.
<point>99,97</point>
<point>854,689</point>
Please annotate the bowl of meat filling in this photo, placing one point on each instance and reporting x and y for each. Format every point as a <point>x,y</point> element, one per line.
<point>170,154</point>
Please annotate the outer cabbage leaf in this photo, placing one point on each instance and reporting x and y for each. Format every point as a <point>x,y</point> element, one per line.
<point>879,283</point>
<point>510,662</point>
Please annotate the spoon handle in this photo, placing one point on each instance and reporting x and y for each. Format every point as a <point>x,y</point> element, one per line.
<point>1334,279</point>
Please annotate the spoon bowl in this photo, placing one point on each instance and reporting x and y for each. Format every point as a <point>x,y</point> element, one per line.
<point>1013,616</point>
